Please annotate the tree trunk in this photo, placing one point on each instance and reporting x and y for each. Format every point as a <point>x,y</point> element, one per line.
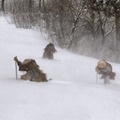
<point>43,3</point>
<point>73,30</point>
<point>39,4</point>
<point>2,5</point>
<point>117,23</point>
<point>90,5</point>
<point>30,6</point>
<point>102,31</point>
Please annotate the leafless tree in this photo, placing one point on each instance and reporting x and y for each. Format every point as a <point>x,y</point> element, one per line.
<point>2,5</point>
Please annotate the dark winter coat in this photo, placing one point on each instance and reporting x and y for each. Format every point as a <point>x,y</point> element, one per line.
<point>49,50</point>
<point>33,73</point>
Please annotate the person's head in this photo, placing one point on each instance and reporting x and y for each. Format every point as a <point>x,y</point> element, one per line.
<point>102,64</point>
<point>51,44</point>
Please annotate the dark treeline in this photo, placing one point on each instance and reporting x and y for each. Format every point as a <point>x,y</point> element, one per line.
<point>87,27</point>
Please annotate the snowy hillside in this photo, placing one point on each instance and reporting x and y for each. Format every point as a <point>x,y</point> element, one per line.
<point>72,94</point>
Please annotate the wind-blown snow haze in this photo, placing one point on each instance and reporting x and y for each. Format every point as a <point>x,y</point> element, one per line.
<point>74,93</point>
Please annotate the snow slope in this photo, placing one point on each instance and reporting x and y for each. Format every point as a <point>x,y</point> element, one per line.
<point>72,94</point>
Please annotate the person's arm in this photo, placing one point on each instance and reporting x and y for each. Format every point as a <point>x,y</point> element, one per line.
<point>17,61</point>
<point>107,69</point>
<point>97,70</point>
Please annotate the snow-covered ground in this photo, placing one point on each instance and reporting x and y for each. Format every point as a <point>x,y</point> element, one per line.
<point>72,94</point>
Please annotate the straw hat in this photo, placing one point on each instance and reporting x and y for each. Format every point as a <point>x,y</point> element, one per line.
<point>101,64</point>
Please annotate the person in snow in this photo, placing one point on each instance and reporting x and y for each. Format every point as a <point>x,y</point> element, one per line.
<point>49,50</point>
<point>33,73</point>
<point>105,69</point>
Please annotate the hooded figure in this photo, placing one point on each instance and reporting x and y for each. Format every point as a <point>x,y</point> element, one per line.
<point>33,73</point>
<point>49,50</point>
<point>105,69</point>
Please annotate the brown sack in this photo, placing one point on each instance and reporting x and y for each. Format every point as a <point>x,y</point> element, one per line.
<point>112,75</point>
<point>25,77</point>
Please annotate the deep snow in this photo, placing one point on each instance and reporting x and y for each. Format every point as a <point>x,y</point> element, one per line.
<point>72,94</point>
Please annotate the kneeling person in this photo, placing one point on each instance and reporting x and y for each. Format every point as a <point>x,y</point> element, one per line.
<point>33,73</point>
